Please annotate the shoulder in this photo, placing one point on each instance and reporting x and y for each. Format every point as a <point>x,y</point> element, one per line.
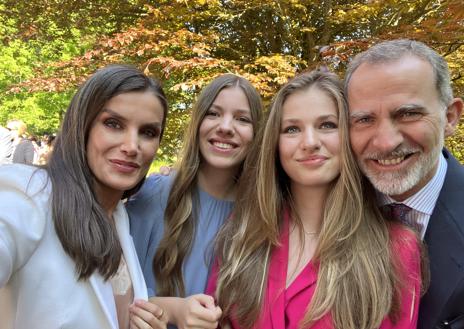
<point>148,204</point>
<point>23,178</point>
<point>24,213</point>
<point>449,203</point>
<point>154,185</point>
<point>455,168</point>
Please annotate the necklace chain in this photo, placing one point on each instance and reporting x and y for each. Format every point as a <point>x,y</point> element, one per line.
<point>309,233</point>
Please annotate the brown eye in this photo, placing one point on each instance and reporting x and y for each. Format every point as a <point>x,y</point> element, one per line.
<point>212,113</point>
<point>411,115</point>
<point>151,132</point>
<point>244,119</point>
<point>112,123</point>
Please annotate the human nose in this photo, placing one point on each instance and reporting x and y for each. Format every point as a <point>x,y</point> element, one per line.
<point>130,143</point>
<point>225,125</point>
<point>387,137</point>
<point>311,140</point>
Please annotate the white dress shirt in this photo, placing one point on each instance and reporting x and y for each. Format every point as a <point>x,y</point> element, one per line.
<point>423,202</point>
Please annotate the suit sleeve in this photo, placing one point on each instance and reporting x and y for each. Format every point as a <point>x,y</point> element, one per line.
<point>22,223</point>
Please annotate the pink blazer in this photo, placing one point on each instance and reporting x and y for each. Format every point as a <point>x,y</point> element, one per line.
<point>285,308</point>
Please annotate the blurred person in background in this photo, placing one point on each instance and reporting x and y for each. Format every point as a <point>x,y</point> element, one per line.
<point>23,148</point>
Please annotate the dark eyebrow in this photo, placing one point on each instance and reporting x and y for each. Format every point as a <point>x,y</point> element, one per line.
<point>408,107</point>
<point>216,107</point>
<point>111,112</point>
<point>120,117</point>
<point>358,115</point>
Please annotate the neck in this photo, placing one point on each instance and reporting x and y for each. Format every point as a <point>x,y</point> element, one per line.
<point>218,182</point>
<point>108,200</point>
<point>309,206</point>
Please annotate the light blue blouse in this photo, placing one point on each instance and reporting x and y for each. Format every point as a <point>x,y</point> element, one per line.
<point>146,212</point>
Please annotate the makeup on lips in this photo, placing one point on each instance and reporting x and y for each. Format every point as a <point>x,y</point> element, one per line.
<point>313,160</point>
<point>122,166</point>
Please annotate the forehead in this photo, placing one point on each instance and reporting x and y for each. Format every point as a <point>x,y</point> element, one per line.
<point>407,80</point>
<point>311,101</point>
<point>232,97</point>
<point>135,106</point>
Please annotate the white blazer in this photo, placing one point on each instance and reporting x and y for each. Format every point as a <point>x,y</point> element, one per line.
<point>38,285</point>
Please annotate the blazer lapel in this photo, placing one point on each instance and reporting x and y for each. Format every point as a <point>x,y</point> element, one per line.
<point>105,297</point>
<point>276,280</point>
<point>103,289</point>
<point>122,226</point>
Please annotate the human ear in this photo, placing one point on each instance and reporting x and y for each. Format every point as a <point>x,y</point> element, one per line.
<point>453,114</point>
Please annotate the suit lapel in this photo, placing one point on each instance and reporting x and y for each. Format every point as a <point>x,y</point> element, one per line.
<point>445,245</point>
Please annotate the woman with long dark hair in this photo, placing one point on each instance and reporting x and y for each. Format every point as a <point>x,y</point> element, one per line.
<point>67,259</point>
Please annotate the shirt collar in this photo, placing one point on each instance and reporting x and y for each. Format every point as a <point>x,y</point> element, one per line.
<point>425,199</point>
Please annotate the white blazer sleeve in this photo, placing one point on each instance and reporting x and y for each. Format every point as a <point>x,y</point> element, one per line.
<point>22,217</point>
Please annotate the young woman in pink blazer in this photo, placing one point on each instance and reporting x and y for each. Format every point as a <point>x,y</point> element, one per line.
<point>307,247</point>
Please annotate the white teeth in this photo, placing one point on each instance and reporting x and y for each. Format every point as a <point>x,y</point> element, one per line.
<point>390,162</point>
<point>223,145</point>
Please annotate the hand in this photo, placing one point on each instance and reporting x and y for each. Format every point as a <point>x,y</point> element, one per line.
<point>165,170</point>
<point>146,315</point>
<point>197,311</point>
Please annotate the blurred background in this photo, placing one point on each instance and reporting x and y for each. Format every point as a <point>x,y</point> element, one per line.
<point>49,47</point>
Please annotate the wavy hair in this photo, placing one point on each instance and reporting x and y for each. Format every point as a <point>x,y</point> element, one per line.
<point>179,217</point>
<point>355,263</point>
<point>81,223</point>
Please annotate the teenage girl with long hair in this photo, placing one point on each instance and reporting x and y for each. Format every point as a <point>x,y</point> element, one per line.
<point>194,201</point>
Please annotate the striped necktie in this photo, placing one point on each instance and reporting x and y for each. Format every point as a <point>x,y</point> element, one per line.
<point>399,212</point>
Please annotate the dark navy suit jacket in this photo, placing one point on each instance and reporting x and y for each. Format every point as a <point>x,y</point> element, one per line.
<point>444,300</point>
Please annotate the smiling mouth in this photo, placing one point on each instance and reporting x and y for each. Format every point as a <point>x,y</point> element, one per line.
<point>225,146</point>
<point>393,161</point>
<point>125,164</point>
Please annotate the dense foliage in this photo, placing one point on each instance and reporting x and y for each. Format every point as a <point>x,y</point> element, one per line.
<point>50,47</point>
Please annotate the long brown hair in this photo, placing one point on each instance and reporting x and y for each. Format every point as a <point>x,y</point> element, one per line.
<point>179,216</point>
<point>353,251</point>
<point>81,224</point>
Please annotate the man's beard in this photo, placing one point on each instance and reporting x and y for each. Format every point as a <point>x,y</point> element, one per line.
<point>399,182</point>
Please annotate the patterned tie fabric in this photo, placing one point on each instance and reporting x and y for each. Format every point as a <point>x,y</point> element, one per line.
<point>399,211</point>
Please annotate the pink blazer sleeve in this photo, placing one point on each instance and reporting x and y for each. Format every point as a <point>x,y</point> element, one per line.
<point>212,279</point>
<point>405,245</point>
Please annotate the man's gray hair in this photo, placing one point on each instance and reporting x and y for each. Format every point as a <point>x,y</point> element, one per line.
<point>393,50</point>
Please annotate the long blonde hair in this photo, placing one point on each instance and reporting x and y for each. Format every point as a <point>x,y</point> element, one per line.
<point>353,253</point>
<point>179,217</point>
